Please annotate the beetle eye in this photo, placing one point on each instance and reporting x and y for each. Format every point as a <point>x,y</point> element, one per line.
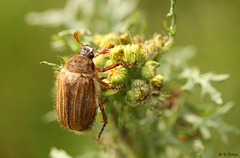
<point>91,55</point>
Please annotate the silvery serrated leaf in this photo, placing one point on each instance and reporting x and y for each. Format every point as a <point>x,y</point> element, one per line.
<point>214,94</point>
<point>215,77</point>
<point>224,109</point>
<point>205,132</point>
<point>194,78</point>
<point>193,119</point>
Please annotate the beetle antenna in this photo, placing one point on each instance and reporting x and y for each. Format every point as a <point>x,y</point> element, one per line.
<point>76,37</point>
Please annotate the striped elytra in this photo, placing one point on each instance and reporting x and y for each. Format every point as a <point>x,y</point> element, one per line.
<point>76,98</point>
<point>77,94</point>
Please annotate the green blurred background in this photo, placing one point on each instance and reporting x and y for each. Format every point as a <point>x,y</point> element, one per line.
<point>212,26</point>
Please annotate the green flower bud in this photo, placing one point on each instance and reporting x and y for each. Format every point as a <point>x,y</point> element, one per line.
<point>117,74</point>
<point>148,71</point>
<point>132,98</point>
<point>109,40</point>
<point>109,62</point>
<point>127,51</point>
<point>133,53</point>
<point>139,92</point>
<point>99,61</point>
<point>138,83</point>
<point>150,47</point>
<point>155,44</point>
<point>124,39</point>
<point>117,53</point>
<point>156,83</point>
<point>157,38</point>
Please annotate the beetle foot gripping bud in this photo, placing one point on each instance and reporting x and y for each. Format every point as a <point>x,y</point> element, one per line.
<point>156,83</point>
<point>117,75</point>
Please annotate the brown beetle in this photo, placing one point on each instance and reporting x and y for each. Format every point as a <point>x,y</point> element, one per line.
<point>78,93</point>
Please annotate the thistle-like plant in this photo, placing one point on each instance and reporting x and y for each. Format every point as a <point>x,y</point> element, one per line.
<point>155,115</point>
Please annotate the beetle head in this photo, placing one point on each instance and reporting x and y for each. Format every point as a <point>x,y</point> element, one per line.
<point>87,51</point>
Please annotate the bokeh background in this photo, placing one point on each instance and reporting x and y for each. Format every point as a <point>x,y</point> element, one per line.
<point>212,26</point>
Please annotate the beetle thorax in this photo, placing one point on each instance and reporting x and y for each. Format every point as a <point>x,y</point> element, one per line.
<point>80,64</point>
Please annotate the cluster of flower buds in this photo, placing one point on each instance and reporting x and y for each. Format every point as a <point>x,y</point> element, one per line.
<point>127,49</point>
<point>141,90</point>
<point>154,45</point>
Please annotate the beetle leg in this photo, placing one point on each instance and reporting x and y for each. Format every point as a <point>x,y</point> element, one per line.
<point>104,51</point>
<point>109,86</point>
<point>111,67</point>
<point>104,117</point>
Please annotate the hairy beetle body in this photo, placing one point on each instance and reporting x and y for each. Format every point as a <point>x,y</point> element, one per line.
<point>78,93</point>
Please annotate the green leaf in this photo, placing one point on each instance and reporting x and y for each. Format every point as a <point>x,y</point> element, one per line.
<point>62,61</point>
<point>110,92</point>
<point>54,66</point>
<point>166,26</point>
